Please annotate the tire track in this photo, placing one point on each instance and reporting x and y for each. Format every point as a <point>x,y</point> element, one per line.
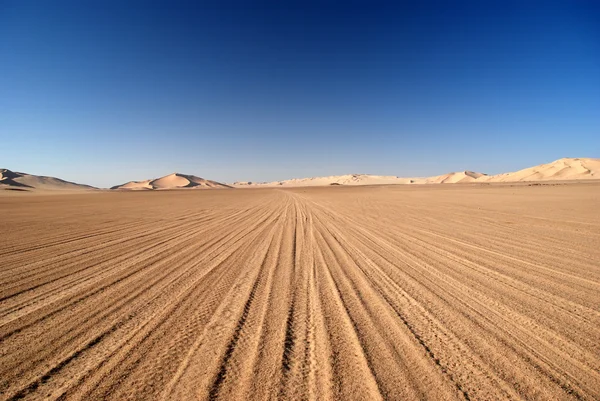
<point>411,292</point>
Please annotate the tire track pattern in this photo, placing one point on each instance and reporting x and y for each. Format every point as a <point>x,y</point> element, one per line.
<point>469,293</point>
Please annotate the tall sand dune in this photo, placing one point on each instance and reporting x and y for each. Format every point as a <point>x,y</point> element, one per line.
<point>562,169</point>
<point>11,180</point>
<point>172,181</point>
<point>453,178</point>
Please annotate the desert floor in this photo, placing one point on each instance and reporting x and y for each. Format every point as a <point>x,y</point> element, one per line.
<point>407,292</point>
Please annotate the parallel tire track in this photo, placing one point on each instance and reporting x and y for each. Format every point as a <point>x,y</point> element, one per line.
<point>468,292</point>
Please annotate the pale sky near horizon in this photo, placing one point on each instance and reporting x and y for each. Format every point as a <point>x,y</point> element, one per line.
<point>104,92</point>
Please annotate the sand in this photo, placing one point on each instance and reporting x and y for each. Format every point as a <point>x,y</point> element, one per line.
<point>562,169</point>
<point>172,181</point>
<point>559,170</point>
<point>10,180</point>
<point>435,292</point>
<point>451,178</point>
<point>566,169</point>
<point>348,179</point>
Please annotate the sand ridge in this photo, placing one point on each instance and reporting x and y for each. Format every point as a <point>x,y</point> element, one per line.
<point>22,181</point>
<point>451,178</point>
<point>348,179</point>
<point>563,169</point>
<point>172,181</point>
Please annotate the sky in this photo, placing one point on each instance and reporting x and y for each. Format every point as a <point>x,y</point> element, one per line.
<point>104,92</point>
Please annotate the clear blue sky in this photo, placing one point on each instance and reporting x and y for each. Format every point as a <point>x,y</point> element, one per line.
<point>104,92</point>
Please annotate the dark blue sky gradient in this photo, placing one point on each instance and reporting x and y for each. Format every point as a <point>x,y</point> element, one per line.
<point>105,92</point>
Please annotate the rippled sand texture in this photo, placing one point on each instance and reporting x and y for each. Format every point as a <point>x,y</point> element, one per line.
<point>363,293</point>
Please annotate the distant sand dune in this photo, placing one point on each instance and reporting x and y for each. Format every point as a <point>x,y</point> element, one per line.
<point>563,169</point>
<point>453,178</point>
<point>14,180</point>
<point>172,181</point>
<point>348,179</point>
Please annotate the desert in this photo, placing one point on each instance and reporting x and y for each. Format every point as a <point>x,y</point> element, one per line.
<point>565,169</point>
<point>477,292</point>
<point>568,168</point>
<point>300,201</point>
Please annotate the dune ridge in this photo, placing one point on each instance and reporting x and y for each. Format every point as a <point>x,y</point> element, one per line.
<point>453,178</point>
<point>172,181</point>
<point>559,170</point>
<point>12,180</point>
<point>562,169</point>
<point>348,179</point>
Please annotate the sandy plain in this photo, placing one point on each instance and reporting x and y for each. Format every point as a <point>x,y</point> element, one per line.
<point>476,292</point>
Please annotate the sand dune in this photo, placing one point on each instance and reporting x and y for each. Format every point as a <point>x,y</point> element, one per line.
<point>562,169</point>
<point>365,179</point>
<point>10,180</point>
<point>348,179</point>
<point>451,178</point>
<point>406,292</point>
<point>172,181</point>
